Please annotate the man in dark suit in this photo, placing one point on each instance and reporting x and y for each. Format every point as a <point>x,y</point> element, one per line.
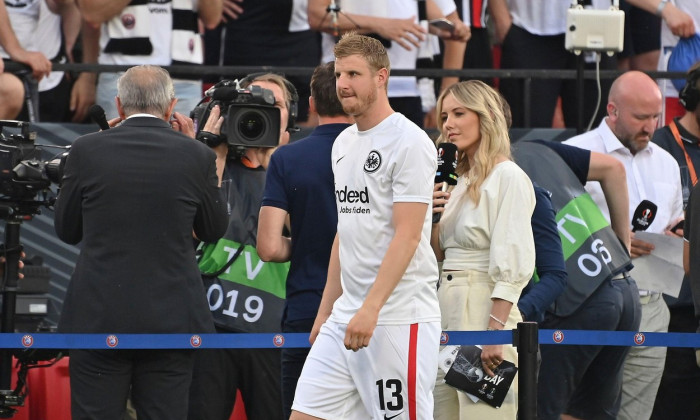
<point>134,195</point>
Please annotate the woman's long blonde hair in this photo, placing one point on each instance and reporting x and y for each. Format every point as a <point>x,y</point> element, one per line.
<point>482,99</point>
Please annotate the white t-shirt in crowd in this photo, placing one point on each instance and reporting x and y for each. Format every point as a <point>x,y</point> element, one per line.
<point>37,29</point>
<point>159,30</point>
<point>399,57</point>
<point>545,17</point>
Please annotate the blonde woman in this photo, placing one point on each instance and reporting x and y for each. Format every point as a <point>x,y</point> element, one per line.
<point>484,238</point>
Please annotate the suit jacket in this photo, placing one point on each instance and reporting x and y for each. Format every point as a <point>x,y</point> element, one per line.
<point>133,195</point>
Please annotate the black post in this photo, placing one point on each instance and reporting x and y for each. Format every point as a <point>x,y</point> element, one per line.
<point>526,341</point>
<point>527,101</point>
<point>580,102</point>
<point>31,96</point>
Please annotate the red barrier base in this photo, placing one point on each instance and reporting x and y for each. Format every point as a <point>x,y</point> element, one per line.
<point>49,395</point>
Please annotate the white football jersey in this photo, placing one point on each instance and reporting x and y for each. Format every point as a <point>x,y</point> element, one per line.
<point>392,162</point>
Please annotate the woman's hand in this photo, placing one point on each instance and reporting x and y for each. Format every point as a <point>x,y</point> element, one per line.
<point>440,198</point>
<point>491,357</point>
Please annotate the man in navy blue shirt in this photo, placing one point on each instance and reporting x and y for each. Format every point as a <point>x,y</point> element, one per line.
<point>549,280</point>
<point>300,185</point>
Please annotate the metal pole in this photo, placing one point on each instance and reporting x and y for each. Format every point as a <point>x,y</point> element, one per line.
<point>31,95</point>
<point>580,102</point>
<point>527,97</point>
<point>526,341</point>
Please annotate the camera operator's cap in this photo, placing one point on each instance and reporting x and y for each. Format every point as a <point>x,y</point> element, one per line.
<point>684,55</point>
<point>293,96</point>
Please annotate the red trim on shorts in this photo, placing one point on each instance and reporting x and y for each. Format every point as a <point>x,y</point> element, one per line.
<point>412,350</point>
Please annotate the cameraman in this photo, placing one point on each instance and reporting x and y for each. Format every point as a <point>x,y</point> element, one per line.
<point>246,295</point>
<point>133,195</point>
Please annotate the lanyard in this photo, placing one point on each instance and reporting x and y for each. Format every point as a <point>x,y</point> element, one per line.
<point>677,136</point>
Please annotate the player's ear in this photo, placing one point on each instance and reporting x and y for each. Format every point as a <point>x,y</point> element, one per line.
<point>383,76</point>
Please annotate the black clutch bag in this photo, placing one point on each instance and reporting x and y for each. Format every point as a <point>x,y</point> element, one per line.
<point>466,374</point>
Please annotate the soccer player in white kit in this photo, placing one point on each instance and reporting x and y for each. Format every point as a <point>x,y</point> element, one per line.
<point>375,340</point>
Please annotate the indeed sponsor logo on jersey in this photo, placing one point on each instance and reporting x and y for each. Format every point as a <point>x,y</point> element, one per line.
<point>159,9</point>
<point>352,196</point>
<point>346,196</point>
<point>159,6</point>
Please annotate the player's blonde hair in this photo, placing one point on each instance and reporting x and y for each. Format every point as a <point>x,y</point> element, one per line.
<point>366,47</point>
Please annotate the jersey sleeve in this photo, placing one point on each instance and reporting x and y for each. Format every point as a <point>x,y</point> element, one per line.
<point>413,172</point>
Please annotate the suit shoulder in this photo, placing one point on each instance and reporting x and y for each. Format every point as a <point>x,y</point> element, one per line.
<point>90,139</point>
<point>194,148</point>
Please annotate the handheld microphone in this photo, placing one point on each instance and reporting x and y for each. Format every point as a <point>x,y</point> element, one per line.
<point>643,216</point>
<point>97,114</point>
<point>446,171</point>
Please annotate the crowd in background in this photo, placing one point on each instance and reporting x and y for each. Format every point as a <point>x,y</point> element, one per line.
<point>298,34</point>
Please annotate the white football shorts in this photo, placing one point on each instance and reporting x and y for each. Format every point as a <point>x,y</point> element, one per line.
<point>392,378</point>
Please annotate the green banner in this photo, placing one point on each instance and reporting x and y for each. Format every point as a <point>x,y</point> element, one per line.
<point>577,221</point>
<point>248,269</point>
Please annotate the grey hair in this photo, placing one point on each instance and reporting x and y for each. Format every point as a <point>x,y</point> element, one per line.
<point>148,89</point>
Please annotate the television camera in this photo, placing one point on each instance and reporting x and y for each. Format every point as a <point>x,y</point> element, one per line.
<point>25,178</point>
<point>250,116</point>
<point>25,181</point>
